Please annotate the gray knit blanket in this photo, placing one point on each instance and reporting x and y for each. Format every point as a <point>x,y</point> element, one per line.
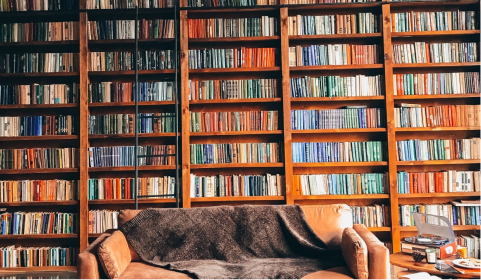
<point>230,242</point>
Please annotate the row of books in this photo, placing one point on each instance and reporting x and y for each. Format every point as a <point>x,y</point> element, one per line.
<point>340,184</point>
<point>38,190</point>
<point>350,117</point>
<point>434,21</point>
<point>125,92</point>
<point>297,2</point>
<point>130,4</point>
<point>232,89</point>
<point>12,256</point>
<point>233,27</point>
<point>39,31</point>
<point>233,58</point>
<point>414,115</point>
<point>236,185</point>
<point>125,29</point>
<point>457,213</point>
<point>39,5</point>
<point>233,121</point>
<point>336,86</point>
<point>371,216</point>
<point>338,54</point>
<point>124,123</point>
<point>38,223</point>
<point>472,243</point>
<point>124,155</point>
<point>230,3</point>
<point>39,94</point>
<point>334,24</point>
<point>101,220</point>
<point>38,158</point>
<point>438,182</point>
<point>125,61</point>
<point>422,52</point>
<point>338,151</point>
<point>436,83</point>
<point>37,126</point>
<point>38,62</point>
<point>124,188</point>
<point>437,149</point>
<point>235,153</point>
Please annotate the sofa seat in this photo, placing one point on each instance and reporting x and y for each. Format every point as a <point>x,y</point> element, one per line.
<point>137,270</point>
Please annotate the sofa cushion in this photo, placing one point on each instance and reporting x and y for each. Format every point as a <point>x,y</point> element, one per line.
<point>114,255</point>
<point>328,222</point>
<point>354,251</point>
<point>339,272</point>
<point>137,270</point>
<point>140,270</point>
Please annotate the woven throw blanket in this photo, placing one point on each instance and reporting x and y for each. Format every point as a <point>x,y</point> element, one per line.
<point>230,242</point>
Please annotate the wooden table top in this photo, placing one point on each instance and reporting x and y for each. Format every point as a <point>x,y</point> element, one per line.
<point>406,261</point>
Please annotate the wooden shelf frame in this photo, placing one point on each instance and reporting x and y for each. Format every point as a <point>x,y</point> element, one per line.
<point>284,102</point>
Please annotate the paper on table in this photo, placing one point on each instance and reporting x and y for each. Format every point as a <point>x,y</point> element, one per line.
<point>420,275</point>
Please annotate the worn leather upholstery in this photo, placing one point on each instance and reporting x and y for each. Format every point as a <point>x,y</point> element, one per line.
<point>354,251</point>
<point>339,272</point>
<point>125,216</point>
<point>114,255</point>
<point>137,270</point>
<point>378,254</point>
<point>88,266</point>
<point>328,221</point>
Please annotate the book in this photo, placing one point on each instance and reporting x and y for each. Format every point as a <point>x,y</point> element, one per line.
<point>422,52</point>
<point>124,155</point>
<point>130,4</point>
<point>371,216</point>
<point>438,182</point>
<point>38,190</point>
<point>437,116</point>
<point>233,27</point>
<point>338,54</point>
<point>124,188</point>
<point>232,89</point>
<point>338,151</point>
<point>125,29</point>
<point>125,61</point>
<point>336,86</point>
<point>235,153</point>
<point>124,123</point>
<point>37,126</point>
<point>38,223</point>
<point>336,118</point>
<point>436,83</point>
<point>33,158</point>
<point>12,256</point>
<point>38,62</point>
<point>457,215</point>
<point>226,3</point>
<point>340,184</point>
<point>437,149</point>
<point>334,24</point>
<point>101,220</point>
<point>125,92</point>
<point>233,58</point>
<point>233,121</point>
<point>41,5</point>
<point>434,21</point>
<point>39,31</point>
<point>472,243</point>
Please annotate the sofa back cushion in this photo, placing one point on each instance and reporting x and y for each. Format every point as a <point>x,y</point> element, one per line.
<point>328,221</point>
<point>114,255</point>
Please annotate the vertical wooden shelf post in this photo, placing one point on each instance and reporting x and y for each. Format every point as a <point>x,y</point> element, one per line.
<point>390,126</point>
<point>286,103</point>
<point>184,108</point>
<point>83,131</point>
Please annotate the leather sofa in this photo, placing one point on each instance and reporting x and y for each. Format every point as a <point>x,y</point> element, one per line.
<point>365,256</point>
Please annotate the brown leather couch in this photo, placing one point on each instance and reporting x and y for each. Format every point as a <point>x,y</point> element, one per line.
<point>365,256</point>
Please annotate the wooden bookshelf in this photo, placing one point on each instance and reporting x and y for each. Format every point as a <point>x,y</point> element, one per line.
<point>283,103</point>
<point>37,236</point>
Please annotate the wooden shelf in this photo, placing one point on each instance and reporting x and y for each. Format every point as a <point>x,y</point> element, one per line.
<point>335,36</point>
<point>341,196</point>
<point>113,42</point>
<point>413,129</point>
<point>327,99</point>
<point>438,162</point>
<point>130,135</point>
<point>128,104</point>
<point>336,164</point>
<point>33,44</point>
<point>455,228</point>
<point>237,165</point>
<point>238,198</point>
<point>335,67</point>
<point>39,203</point>
<point>379,229</point>
<point>233,101</point>
<point>130,73</point>
<point>431,195</point>
<point>40,75</point>
<point>436,96</point>
<point>37,236</point>
<point>39,106</point>
<point>435,65</point>
<point>234,39</point>
<point>38,268</point>
<point>432,3</point>
<point>132,168</point>
<point>221,133</point>
<point>131,201</point>
<point>39,138</point>
<point>39,171</point>
<point>235,70</point>
<point>433,33</point>
<point>346,130</point>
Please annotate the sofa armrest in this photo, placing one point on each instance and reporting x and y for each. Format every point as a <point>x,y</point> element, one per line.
<point>378,254</point>
<point>88,266</point>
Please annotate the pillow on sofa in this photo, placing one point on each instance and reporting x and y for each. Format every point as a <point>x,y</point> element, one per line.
<point>114,255</point>
<point>354,251</point>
